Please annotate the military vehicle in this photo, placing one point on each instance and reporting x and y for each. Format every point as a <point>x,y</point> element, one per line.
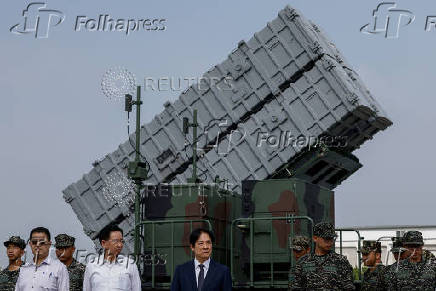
<point>278,122</point>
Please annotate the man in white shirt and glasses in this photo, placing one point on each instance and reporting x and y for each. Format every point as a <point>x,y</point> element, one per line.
<point>44,272</point>
<point>113,272</point>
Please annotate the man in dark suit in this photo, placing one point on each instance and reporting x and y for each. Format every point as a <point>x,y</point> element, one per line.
<point>202,273</point>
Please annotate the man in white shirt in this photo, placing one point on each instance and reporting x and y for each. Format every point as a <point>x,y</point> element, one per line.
<point>111,273</point>
<point>44,272</point>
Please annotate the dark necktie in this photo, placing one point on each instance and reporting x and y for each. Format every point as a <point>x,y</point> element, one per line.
<point>201,277</point>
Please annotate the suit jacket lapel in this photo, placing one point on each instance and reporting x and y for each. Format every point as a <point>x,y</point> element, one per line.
<point>193,277</point>
<point>210,273</point>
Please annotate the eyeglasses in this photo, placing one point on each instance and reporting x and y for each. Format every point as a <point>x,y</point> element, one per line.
<point>36,242</point>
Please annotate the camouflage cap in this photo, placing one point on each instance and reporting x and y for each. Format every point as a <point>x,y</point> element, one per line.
<point>64,241</point>
<point>300,243</point>
<point>413,237</point>
<point>16,240</point>
<point>369,246</point>
<point>397,245</point>
<point>325,230</point>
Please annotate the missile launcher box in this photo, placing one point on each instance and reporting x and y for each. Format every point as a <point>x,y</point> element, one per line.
<point>286,82</point>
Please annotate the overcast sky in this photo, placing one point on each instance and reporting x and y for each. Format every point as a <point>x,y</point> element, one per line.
<point>55,121</point>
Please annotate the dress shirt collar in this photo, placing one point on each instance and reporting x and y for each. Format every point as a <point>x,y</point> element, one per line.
<point>205,263</point>
<point>46,261</point>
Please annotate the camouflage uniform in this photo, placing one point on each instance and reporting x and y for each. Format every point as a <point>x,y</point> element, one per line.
<point>397,247</point>
<point>327,272</point>
<point>76,270</point>
<point>428,256</point>
<point>8,279</point>
<point>299,243</point>
<point>407,275</point>
<point>371,277</point>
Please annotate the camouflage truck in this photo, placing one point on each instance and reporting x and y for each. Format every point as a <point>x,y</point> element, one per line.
<point>170,213</point>
<point>252,230</point>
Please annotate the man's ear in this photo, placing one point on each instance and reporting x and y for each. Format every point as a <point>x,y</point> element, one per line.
<point>192,247</point>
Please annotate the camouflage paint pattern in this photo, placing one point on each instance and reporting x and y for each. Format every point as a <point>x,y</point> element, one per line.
<point>187,204</point>
<point>272,199</point>
<point>269,198</point>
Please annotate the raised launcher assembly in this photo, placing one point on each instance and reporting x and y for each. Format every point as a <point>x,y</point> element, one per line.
<point>287,79</point>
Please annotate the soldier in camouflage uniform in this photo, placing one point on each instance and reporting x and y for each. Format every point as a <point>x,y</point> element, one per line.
<point>428,256</point>
<point>371,257</point>
<point>15,249</point>
<point>300,247</point>
<point>397,249</point>
<point>413,272</point>
<point>399,254</point>
<point>64,251</point>
<point>324,269</point>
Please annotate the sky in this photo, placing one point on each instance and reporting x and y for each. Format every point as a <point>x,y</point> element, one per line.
<point>55,121</point>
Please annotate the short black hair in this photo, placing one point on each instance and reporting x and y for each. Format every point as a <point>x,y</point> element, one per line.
<point>195,234</point>
<point>40,229</point>
<point>105,233</point>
